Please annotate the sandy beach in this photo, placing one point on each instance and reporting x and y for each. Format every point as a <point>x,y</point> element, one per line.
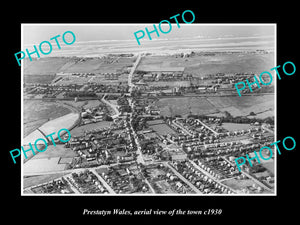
<point>165,46</point>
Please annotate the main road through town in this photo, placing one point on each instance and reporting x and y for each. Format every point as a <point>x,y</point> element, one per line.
<point>130,84</point>
<point>140,158</point>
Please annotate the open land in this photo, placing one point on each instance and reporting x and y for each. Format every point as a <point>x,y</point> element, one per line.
<point>235,105</point>
<point>211,63</point>
<point>38,112</point>
<point>54,65</point>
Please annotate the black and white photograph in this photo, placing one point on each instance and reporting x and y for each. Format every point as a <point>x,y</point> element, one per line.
<point>163,117</point>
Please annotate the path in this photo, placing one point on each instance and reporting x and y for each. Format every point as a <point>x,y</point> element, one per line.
<point>215,132</point>
<point>210,176</point>
<point>183,178</point>
<point>110,190</point>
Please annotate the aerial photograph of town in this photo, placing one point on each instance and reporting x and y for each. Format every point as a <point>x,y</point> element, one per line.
<point>159,118</point>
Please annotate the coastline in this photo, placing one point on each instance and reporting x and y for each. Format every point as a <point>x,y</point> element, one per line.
<point>162,46</point>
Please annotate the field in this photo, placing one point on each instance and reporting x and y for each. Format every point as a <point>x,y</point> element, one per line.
<point>236,126</point>
<point>238,184</point>
<point>150,135</point>
<point>53,65</point>
<point>69,79</point>
<point>100,79</point>
<point>37,112</point>
<point>43,165</point>
<point>170,84</point>
<point>80,130</point>
<point>269,165</point>
<point>236,106</point>
<point>44,66</point>
<point>42,79</point>
<point>35,180</point>
<point>74,104</point>
<point>92,104</point>
<point>56,151</point>
<point>183,106</point>
<point>55,157</point>
<point>31,126</point>
<point>242,106</point>
<point>162,128</point>
<point>63,122</point>
<point>199,65</point>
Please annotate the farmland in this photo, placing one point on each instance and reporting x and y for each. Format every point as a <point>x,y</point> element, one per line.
<point>74,104</point>
<point>183,106</point>
<point>41,79</point>
<point>56,151</point>
<point>81,129</point>
<point>173,84</point>
<point>53,65</point>
<point>64,122</point>
<point>35,180</point>
<point>215,62</point>
<point>43,165</point>
<point>92,104</point>
<point>37,113</point>
<point>236,106</point>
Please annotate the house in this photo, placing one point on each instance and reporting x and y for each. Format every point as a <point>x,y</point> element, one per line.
<point>179,185</point>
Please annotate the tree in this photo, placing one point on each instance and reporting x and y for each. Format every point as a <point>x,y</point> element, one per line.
<point>140,72</point>
<point>227,114</point>
<point>269,120</point>
<point>107,118</point>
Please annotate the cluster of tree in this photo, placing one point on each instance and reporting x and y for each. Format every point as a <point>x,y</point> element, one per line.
<point>141,72</point>
<point>107,118</point>
<point>139,123</point>
<point>238,119</point>
<point>80,94</point>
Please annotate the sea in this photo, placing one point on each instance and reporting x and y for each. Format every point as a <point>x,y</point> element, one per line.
<point>98,40</point>
<point>165,46</point>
